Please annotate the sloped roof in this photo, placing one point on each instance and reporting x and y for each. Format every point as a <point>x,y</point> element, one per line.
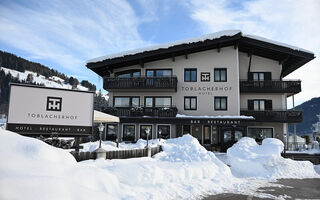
<point>290,56</point>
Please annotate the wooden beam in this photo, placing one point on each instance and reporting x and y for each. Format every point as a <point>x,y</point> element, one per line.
<point>173,58</point>
<point>219,48</point>
<point>236,44</point>
<point>186,54</point>
<point>141,63</point>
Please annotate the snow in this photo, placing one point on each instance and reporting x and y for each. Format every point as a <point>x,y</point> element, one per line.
<point>216,116</point>
<point>184,170</point>
<point>51,82</point>
<point>212,36</point>
<point>249,159</point>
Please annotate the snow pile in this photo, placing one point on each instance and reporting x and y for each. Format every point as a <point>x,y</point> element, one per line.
<point>249,159</point>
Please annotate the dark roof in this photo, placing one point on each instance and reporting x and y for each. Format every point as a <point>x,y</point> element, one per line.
<point>291,57</point>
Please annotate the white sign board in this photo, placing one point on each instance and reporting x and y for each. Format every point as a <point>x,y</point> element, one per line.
<point>35,110</point>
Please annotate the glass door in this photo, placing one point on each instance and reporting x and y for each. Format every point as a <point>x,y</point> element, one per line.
<point>206,134</point>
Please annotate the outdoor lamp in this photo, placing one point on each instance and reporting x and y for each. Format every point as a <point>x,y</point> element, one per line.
<point>101,128</point>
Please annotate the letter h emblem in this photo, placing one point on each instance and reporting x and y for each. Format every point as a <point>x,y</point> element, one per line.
<point>54,103</point>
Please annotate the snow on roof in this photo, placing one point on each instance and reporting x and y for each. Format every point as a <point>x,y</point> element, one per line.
<point>216,117</point>
<point>167,45</point>
<point>202,38</point>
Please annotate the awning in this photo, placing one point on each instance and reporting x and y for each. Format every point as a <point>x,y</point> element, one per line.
<point>100,117</point>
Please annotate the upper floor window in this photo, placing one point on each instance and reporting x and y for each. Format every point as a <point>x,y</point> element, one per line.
<point>158,72</point>
<point>259,104</point>
<point>126,101</point>
<point>158,101</point>
<point>190,75</point>
<point>220,75</point>
<point>259,76</point>
<point>220,103</point>
<point>190,103</point>
<point>128,73</point>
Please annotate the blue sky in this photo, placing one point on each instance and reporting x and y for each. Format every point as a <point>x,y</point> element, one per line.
<point>65,34</point>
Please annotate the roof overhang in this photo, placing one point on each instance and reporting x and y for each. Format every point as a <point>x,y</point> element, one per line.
<point>290,58</point>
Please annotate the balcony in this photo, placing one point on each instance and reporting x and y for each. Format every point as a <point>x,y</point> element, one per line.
<point>274,86</point>
<point>142,111</point>
<point>166,83</point>
<point>284,116</point>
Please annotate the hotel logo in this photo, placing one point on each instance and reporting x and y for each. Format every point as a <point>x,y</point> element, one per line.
<point>205,76</point>
<point>54,103</point>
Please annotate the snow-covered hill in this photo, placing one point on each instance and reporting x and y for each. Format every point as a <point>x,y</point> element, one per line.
<point>53,81</point>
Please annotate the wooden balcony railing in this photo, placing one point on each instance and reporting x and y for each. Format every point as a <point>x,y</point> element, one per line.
<point>284,116</point>
<point>142,111</point>
<point>169,82</point>
<point>273,86</point>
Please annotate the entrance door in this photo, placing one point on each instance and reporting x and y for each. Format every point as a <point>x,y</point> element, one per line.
<point>231,135</point>
<point>206,134</point>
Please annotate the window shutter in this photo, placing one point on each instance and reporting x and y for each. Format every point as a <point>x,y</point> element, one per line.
<point>250,76</point>
<point>250,104</point>
<point>267,76</point>
<point>268,104</point>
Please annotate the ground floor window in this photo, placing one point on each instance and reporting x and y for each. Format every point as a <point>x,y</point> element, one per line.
<point>143,131</point>
<point>164,131</point>
<point>260,133</point>
<point>129,132</point>
<point>111,132</point>
<point>187,129</point>
<point>207,134</point>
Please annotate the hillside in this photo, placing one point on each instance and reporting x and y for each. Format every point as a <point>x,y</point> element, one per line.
<point>310,109</point>
<point>19,70</point>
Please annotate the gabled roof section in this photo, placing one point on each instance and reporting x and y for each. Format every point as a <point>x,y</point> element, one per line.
<point>290,57</point>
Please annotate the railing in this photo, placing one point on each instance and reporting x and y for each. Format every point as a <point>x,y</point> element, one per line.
<point>169,82</point>
<point>285,116</point>
<point>142,111</point>
<point>273,86</point>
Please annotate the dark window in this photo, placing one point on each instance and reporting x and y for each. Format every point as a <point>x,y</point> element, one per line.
<point>190,103</point>
<point>220,75</point>
<point>259,76</point>
<point>126,101</point>
<point>158,101</point>
<point>129,132</point>
<point>260,104</point>
<point>220,103</point>
<point>187,129</point>
<point>190,75</point>
<point>111,132</point>
<point>164,131</point>
<point>143,131</point>
<point>128,73</point>
<point>159,72</point>
<point>260,133</point>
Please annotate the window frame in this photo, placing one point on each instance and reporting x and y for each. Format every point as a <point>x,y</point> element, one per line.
<point>151,134</point>
<point>190,69</point>
<point>219,71</point>
<point>220,97</point>
<point>190,97</point>
<point>123,126</point>
<point>130,100</point>
<point>157,135</point>
<point>154,100</point>
<point>130,71</point>
<point>259,104</point>
<point>155,72</point>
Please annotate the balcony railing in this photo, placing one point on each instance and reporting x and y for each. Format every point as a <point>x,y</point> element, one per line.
<point>142,111</point>
<point>284,116</point>
<point>273,86</point>
<point>169,82</point>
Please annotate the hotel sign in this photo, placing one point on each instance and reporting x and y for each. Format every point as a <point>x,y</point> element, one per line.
<point>37,110</point>
<point>206,90</point>
<point>215,121</point>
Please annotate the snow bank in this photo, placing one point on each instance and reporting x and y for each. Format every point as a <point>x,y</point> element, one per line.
<point>248,159</point>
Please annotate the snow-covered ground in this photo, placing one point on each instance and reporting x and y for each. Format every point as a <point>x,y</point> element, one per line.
<point>184,170</point>
<point>53,81</point>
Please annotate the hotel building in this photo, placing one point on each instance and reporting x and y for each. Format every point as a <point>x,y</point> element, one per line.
<point>218,88</point>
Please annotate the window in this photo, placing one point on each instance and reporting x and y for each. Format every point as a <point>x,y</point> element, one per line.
<point>158,101</point>
<point>259,76</point>
<point>187,129</point>
<point>129,132</point>
<point>143,131</point>
<point>159,72</point>
<point>220,103</point>
<point>220,75</point>
<point>260,133</point>
<point>164,131</point>
<point>111,132</point>
<point>207,134</point>
<point>190,75</point>
<point>260,104</point>
<point>190,103</point>
<point>126,101</point>
<point>128,73</point>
